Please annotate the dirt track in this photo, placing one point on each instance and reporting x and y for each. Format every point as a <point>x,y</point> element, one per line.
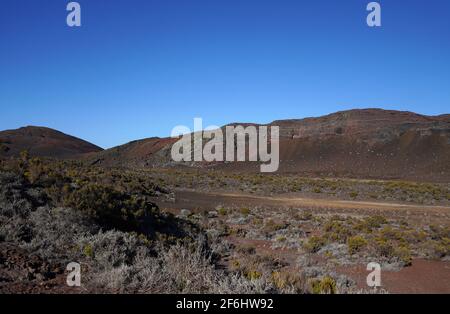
<point>208,200</point>
<point>423,276</point>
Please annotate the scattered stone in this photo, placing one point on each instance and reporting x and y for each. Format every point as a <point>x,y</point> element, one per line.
<point>212,214</point>
<point>185,212</point>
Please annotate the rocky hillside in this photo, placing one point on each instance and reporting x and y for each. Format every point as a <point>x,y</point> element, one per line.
<point>43,142</point>
<point>369,143</point>
<point>366,143</point>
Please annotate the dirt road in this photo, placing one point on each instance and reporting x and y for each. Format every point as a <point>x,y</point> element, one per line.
<point>193,200</point>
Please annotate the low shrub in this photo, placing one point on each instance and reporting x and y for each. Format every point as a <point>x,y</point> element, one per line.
<point>375,222</point>
<point>245,211</point>
<point>113,209</point>
<point>354,194</point>
<point>271,226</point>
<point>337,231</point>
<point>314,244</point>
<point>403,254</point>
<point>355,244</point>
<point>326,285</point>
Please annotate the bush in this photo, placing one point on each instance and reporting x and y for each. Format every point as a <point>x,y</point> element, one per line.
<point>3,148</point>
<point>222,211</point>
<point>113,260</point>
<point>384,248</point>
<point>88,251</point>
<point>337,231</point>
<point>288,280</point>
<point>403,253</point>
<point>442,248</point>
<point>253,275</point>
<point>326,285</point>
<point>272,226</point>
<point>374,222</point>
<point>314,244</point>
<point>439,233</point>
<point>355,244</point>
<point>113,209</point>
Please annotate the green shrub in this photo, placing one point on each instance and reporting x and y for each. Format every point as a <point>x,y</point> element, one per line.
<point>375,222</point>
<point>88,251</point>
<point>326,285</point>
<point>112,209</point>
<point>337,231</point>
<point>439,233</point>
<point>314,244</point>
<point>222,211</point>
<point>383,248</point>
<point>245,211</point>
<point>253,275</point>
<point>283,280</point>
<point>403,253</point>
<point>442,248</point>
<point>391,234</point>
<point>272,226</point>
<point>315,286</point>
<point>355,244</point>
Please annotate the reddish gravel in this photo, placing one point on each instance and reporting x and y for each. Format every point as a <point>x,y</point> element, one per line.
<point>422,277</point>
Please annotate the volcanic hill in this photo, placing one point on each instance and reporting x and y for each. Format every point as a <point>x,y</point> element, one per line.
<point>43,142</point>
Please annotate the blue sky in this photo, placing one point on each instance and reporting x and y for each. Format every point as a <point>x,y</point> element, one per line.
<point>137,68</point>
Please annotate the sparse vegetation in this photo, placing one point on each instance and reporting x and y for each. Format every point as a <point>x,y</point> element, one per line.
<point>107,218</point>
<point>355,244</point>
<point>314,244</point>
<point>326,285</point>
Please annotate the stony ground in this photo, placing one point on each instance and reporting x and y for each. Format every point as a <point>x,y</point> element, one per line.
<point>299,237</point>
<point>195,231</point>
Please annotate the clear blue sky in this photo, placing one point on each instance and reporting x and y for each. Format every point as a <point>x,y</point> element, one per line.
<point>137,68</point>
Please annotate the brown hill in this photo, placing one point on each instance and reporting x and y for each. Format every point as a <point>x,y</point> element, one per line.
<point>43,142</point>
<point>152,151</point>
<point>366,143</point>
<point>369,143</point>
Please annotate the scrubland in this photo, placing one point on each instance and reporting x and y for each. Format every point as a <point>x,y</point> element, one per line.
<point>130,235</point>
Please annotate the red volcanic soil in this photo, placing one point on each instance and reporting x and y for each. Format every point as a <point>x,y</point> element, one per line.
<point>369,143</point>
<point>23,273</point>
<point>363,143</point>
<point>43,142</point>
<point>423,276</point>
<point>366,143</point>
<point>146,152</point>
